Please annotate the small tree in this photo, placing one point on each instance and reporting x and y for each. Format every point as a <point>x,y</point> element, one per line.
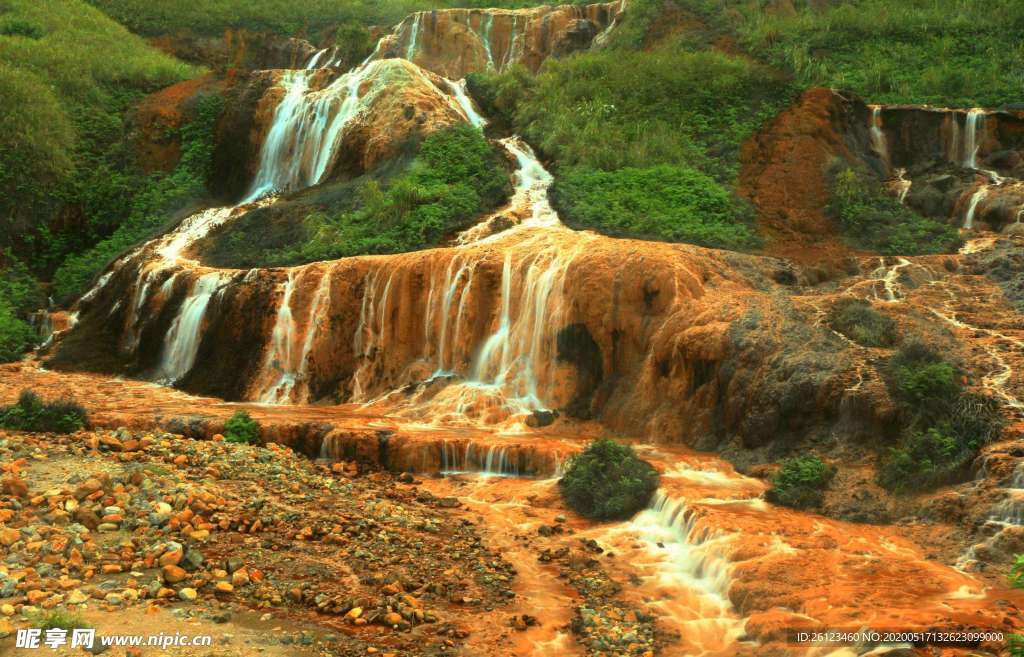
<point>241,428</point>
<point>608,481</point>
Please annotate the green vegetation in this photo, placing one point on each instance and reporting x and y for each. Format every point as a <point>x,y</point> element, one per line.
<point>241,428</point>
<point>455,177</point>
<point>608,481</point>
<point>872,219</point>
<point>31,413</point>
<point>160,195</point>
<point>67,78</point>
<point>656,133</point>
<point>857,320</point>
<point>58,619</point>
<point>212,17</point>
<point>20,294</point>
<point>967,53</point>
<point>943,425</point>
<point>801,482</point>
<point>1015,642</point>
<point>675,203</point>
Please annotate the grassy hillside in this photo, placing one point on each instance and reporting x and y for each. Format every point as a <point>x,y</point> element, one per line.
<point>309,17</point>
<point>68,74</point>
<point>945,52</point>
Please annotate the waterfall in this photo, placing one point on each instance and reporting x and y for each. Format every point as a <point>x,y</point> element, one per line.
<point>972,207</point>
<point>975,122</point>
<point>181,343</point>
<point>414,33</point>
<point>696,560</point>
<point>490,461</point>
<point>878,141</point>
<point>307,128</point>
<point>280,355</point>
<point>465,104</point>
<point>487,24</point>
<point>316,58</point>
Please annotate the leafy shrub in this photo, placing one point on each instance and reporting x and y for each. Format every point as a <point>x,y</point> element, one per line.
<point>857,320</point>
<point>31,413</point>
<point>16,336</point>
<point>671,203</point>
<point>926,459</point>
<point>801,482</point>
<point>241,428</point>
<point>944,426</point>
<point>872,219</point>
<point>607,481</point>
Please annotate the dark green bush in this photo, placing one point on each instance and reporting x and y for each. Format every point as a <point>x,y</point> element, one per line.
<point>607,481</point>
<point>857,320</point>
<point>21,28</point>
<point>801,482</point>
<point>241,428</point>
<point>31,413</point>
<point>926,459</point>
<point>872,219</point>
<point>922,380</point>
<point>670,203</point>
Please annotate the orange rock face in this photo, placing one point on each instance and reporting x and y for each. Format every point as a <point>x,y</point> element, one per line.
<point>454,42</point>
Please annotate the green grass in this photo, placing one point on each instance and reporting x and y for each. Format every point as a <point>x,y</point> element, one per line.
<point>58,619</point>
<point>948,52</point>
<point>662,128</point>
<point>608,481</point>
<point>66,77</point>
<point>675,203</point>
<point>871,219</point>
<point>801,482</point>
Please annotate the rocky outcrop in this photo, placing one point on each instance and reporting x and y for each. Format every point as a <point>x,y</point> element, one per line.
<point>454,42</point>
<point>237,50</point>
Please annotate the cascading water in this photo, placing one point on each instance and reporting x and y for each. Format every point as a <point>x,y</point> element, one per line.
<point>975,122</point>
<point>972,207</point>
<point>878,141</point>
<point>280,357</point>
<point>307,128</point>
<point>181,344</point>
